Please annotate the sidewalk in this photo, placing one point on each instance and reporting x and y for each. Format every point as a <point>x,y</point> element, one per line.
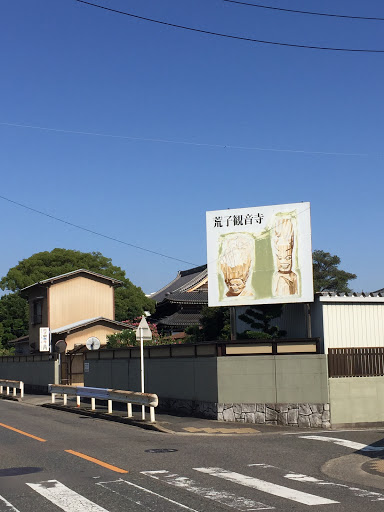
<point>166,423</point>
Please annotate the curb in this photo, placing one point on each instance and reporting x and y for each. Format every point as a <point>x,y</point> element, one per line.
<point>12,398</point>
<point>135,423</point>
<point>106,416</point>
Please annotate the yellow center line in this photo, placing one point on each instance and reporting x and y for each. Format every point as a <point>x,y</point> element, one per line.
<point>97,461</point>
<point>24,433</point>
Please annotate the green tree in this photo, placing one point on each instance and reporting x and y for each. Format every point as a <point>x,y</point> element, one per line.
<point>326,274</point>
<point>194,334</point>
<point>215,323</point>
<point>260,317</point>
<point>130,300</point>
<point>125,338</point>
<point>13,318</point>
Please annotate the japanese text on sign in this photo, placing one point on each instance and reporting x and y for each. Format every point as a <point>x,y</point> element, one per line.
<point>237,220</point>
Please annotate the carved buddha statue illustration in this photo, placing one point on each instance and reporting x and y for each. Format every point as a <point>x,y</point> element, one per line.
<point>236,263</point>
<point>284,279</point>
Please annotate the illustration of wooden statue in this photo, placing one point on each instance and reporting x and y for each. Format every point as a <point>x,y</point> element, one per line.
<point>284,279</point>
<point>236,263</point>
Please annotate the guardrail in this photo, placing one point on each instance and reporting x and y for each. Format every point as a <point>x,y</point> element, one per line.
<point>116,395</point>
<point>15,384</point>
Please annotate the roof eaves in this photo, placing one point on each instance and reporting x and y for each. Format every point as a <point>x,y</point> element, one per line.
<point>116,282</point>
<point>84,323</point>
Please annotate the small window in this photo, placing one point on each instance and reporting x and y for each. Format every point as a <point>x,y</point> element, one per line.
<point>37,312</point>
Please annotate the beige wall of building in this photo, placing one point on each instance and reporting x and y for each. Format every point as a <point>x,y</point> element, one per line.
<point>99,331</point>
<point>79,298</point>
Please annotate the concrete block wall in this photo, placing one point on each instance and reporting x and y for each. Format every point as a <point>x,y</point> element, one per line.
<point>180,378</point>
<point>357,401</point>
<point>289,389</point>
<point>273,379</point>
<point>36,375</point>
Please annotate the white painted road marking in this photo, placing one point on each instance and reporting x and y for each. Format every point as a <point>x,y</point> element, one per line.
<point>299,477</point>
<point>65,498</point>
<point>5,506</point>
<point>121,491</point>
<point>268,487</point>
<point>226,498</point>
<point>348,444</point>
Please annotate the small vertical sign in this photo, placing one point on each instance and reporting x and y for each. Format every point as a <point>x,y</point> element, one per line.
<point>44,345</point>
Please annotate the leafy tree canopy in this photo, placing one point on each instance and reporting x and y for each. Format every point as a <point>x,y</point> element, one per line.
<point>130,300</point>
<point>13,317</point>
<point>326,274</point>
<point>215,323</point>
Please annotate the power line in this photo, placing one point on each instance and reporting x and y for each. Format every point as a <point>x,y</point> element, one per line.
<point>228,36</point>
<point>95,232</point>
<point>187,143</point>
<point>371,18</point>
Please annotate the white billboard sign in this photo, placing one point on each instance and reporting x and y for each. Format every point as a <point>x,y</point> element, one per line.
<point>260,255</point>
<point>44,345</point>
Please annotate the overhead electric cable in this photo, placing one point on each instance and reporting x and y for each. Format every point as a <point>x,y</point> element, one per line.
<point>371,18</point>
<point>187,143</point>
<point>229,36</point>
<point>95,232</point>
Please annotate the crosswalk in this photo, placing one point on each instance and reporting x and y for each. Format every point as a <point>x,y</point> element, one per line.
<point>257,486</point>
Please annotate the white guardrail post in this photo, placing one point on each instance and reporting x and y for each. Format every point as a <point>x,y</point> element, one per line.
<point>14,384</point>
<point>110,395</point>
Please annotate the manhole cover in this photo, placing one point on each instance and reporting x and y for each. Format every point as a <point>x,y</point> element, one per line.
<point>161,450</point>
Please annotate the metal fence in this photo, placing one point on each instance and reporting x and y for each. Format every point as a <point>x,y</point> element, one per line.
<point>356,362</point>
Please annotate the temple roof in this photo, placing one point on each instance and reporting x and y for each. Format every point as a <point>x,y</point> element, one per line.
<point>181,319</point>
<point>185,287</point>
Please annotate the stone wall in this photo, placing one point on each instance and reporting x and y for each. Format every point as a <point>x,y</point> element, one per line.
<point>300,415</point>
<point>295,415</point>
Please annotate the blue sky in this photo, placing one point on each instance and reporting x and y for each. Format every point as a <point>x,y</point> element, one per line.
<point>71,67</point>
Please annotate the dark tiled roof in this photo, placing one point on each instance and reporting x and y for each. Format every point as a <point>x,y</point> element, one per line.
<point>86,323</point>
<point>197,297</point>
<point>180,319</point>
<point>19,340</point>
<point>185,279</point>
<point>378,293</point>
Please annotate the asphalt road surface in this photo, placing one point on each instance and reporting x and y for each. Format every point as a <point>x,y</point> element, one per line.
<point>52,460</point>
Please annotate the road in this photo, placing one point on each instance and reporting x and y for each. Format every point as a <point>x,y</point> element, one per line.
<point>52,460</point>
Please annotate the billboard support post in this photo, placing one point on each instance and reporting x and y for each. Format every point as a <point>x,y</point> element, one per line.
<point>308,318</point>
<point>232,317</point>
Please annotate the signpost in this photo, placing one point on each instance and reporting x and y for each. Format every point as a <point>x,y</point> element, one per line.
<point>143,333</point>
<point>44,339</point>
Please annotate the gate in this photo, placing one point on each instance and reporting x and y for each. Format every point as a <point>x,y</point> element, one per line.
<point>72,368</point>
